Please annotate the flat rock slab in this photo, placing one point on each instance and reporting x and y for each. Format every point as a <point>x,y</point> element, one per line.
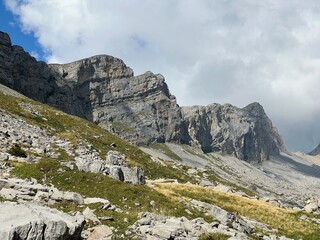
<point>29,221</point>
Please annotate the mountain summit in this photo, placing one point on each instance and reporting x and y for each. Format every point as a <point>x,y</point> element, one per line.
<point>140,108</point>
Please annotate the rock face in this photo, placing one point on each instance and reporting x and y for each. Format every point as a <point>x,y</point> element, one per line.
<point>315,151</point>
<point>140,109</point>
<point>29,221</point>
<point>246,133</point>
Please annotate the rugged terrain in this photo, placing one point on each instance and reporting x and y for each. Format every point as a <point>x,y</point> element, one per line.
<point>50,159</point>
<point>69,177</point>
<point>139,109</point>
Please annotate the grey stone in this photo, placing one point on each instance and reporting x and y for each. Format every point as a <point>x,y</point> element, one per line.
<point>246,133</point>
<point>29,221</point>
<point>4,156</point>
<point>140,109</point>
<point>95,200</point>
<point>311,207</point>
<point>101,232</point>
<point>90,216</point>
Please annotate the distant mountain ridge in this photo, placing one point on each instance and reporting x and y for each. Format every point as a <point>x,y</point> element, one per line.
<point>315,151</point>
<point>140,109</point>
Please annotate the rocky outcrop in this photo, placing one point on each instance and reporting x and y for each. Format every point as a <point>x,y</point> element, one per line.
<point>115,166</point>
<point>246,133</point>
<point>315,151</point>
<point>30,221</point>
<point>140,109</point>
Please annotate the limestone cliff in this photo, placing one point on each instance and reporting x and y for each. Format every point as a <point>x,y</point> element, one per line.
<point>140,109</point>
<point>246,133</point>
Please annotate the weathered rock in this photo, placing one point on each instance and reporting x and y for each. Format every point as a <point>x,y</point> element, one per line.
<point>101,232</point>
<point>315,151</point>
<point>95,200</point>
<point>311,207</point>
<point>28,222</point>
<point>90,216</point>
<point>4,156</point>
<point>62,195</point>
<point>246,133</point>
<point>115,166</point>
<point>140,109</point>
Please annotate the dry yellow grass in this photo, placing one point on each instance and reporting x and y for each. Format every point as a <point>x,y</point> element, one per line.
<point>287,221</point>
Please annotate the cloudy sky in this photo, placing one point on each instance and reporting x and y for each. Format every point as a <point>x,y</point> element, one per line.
<point>225,51</point>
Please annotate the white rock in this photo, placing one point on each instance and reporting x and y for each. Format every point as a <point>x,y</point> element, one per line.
<point>90,216</point>
<point>95,200</point>
<point>101,232</point>
<point>29,222</point>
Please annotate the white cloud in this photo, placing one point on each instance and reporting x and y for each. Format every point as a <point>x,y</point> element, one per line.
<point>209,51</point>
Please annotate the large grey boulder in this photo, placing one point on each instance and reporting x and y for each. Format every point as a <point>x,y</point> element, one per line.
<point>29,222</point>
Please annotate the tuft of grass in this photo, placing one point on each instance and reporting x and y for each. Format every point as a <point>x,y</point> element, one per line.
<point>17,151</point>
<point>214,236</point>
<point>286,221</point>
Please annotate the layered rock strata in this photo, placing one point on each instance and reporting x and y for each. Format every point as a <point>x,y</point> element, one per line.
<point>140,109</point>
<point>247,132</point>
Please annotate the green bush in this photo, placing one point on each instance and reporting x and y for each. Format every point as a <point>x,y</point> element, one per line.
<point>214,236</point>
<point>47,165</point>
<point>16,150</point>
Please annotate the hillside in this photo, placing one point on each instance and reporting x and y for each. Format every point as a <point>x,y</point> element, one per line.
<point>99,153</point>
<point>188,193</point>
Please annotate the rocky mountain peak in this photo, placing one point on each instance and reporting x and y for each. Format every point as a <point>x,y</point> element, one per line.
<point>246,133</point>
<point>140,108</point>
<point>5,39</point>
<point>315,151</point>
<point>100,67</point>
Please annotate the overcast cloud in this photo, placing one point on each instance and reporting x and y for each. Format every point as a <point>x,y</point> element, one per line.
<point>221,51</point>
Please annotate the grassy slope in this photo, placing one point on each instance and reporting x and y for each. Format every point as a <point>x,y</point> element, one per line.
<point>286,221</point>
<point>132,198</point>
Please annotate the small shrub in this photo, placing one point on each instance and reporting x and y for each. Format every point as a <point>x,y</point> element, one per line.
<point>214,236</point>
<point>17,151</point>
<point>48,165</point>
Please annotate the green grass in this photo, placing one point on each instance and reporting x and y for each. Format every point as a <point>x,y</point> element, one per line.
<point>17,151</point>
<point>78,130</point>
<point>286,221</point>
<point>214,236</point>
<point>121,194</point>
<point>166,150</point>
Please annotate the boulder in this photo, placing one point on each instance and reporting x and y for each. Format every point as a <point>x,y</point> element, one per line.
<point>101,232</point>
<point>4,156</point>
<point>311,207</point>
<point>95,200</point>
<point>29,221</point>
<point>90,216</point>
